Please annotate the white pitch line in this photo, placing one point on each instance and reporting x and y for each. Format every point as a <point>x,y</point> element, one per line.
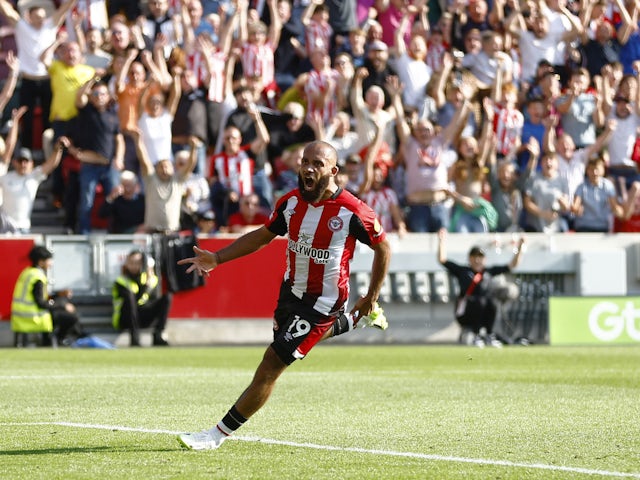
<point>390,453</point>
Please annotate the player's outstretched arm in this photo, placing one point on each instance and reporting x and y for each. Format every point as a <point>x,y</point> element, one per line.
<point>205,261</point>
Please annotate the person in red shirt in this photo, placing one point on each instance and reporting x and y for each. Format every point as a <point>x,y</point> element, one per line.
<point>248,217</point>
<point>322,223</point>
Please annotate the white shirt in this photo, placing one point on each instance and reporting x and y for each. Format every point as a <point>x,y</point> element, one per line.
<point>31,43</point>
<point>156,136</point>
<point>622,139</point>
<point>19,192</point>
<point>572,171</point>
<point>559,24</point>
<point>533,49</point>
<point>414,75</point>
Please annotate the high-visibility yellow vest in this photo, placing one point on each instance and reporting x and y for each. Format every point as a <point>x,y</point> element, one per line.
<point>26,315</point>
<point>150,280</point>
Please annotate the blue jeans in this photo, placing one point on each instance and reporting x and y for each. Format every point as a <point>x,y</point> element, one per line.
<point>428,218</point>
<point>263,187</point>
<point>469,223</point>
<point>90,176</point>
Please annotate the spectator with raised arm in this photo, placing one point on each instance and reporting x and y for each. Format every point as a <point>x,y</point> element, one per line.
<point>508,183</point>
<point>156,113</point>
<point>5,96</point>
<point>163,188</point>
<point>11,81</point>
<point>290,53</point>
<point>94,55</point>
<point>189,116</point>
<point>130,83</point>
<point>321,88</point>
<point>378,69</point>
<point>427,161</point>
<point>580,109</point>
<point>67,74</point>
<point>243,119</point>
<point>475,308</point>
<point>369,112</point>
<point>572,161</point>
<point>546,199</point>
<point>98,144</point>
<point>218,79</point>
<point>232,171</point>
<point>626,114</point>
<point>596,203</point>
<point>259,43</point>
<point>20,185</point>
<point>196,196</point>
<point>410,63</point>
<point>537,41</point>
<point>160,23</point>
<point>34,33</point>
<point>318,32</point>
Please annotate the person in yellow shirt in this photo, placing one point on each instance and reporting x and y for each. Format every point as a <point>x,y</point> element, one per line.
<point>67,74</point>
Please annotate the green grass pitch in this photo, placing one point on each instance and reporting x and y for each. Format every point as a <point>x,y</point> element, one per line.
<point>344,412</point>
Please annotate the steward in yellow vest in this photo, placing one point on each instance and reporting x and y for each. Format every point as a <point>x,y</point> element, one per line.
<point>137,302</point>
<point>33,310</point>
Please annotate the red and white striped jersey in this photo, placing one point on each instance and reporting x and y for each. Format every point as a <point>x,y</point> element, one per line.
<point>322,239</point>
<point>234,172</point>
<point>217,77</point>
<point>196,63</point>
<point>380,202</point>
<point>317,82</point>
<point>317,36</point>
<point>507,125</point>
<point>257,60</point>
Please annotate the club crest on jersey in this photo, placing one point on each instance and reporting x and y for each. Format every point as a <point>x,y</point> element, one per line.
<point>335,224</point>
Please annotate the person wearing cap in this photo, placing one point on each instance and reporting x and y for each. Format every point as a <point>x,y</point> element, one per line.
<point>475,307</point>
<point>20,187</point>
<point>34,310</point>
<point>378,69</point>
<point>205,223</point>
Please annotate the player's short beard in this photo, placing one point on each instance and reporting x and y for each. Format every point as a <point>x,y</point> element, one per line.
<point>315,195</point>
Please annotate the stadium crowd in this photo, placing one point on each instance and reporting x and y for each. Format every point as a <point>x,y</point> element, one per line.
<point>472,115</point>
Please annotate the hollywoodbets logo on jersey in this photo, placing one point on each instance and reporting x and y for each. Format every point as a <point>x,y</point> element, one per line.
<point>303,247</point>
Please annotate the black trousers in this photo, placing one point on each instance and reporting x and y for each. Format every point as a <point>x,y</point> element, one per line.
<point>66,324</point>
<point>480,312</point>
<point>32,93</point>
<point>154,314</point>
